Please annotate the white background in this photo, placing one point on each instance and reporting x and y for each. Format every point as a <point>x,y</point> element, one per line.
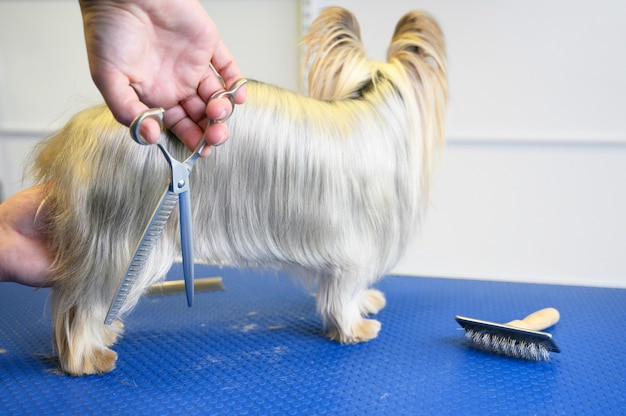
<point>531,184</point>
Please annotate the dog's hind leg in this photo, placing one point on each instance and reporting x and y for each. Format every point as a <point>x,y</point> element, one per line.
<point>81,338</point>
<point>80,303</point>
<point>79,307</point>
<point>344,302</point>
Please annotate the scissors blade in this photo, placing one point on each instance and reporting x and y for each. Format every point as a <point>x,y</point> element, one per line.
<point>186,242</point>
<point>148,241</point>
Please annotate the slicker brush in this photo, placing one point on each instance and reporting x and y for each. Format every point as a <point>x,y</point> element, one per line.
<point>520,338</point>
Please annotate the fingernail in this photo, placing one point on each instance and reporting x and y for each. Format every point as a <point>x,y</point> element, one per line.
<point>222,140</point>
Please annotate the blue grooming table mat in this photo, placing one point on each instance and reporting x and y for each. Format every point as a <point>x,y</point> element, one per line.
<point>257,349</point>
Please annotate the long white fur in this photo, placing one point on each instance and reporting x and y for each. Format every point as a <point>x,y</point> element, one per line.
<point>329,187</point>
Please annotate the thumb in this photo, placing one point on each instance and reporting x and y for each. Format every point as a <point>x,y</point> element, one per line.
<point>124,103</point>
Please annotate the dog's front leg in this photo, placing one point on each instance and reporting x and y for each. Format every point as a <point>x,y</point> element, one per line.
<point>344,301</point>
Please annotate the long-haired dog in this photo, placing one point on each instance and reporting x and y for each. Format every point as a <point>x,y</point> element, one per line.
<point>329,187</point>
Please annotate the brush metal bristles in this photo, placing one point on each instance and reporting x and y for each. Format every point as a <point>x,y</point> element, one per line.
<point>508,340</point>
<point>508,346</point>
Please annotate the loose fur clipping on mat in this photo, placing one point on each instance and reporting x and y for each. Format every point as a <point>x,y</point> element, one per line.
<point>329,187</point>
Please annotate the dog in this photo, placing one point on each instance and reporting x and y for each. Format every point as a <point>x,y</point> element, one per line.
<point>329,187</point>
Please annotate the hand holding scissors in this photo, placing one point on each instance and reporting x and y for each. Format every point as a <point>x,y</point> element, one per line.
<point>176,192</point>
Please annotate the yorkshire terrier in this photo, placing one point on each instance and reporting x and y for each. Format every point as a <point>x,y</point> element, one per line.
<point>328,187</point>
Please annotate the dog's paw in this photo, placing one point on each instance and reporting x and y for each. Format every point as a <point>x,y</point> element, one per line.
<point>372,301</point>
<point>97,361</point>
<point>112,334</point>
<point>87,352</point>
<point>364,330</point>
<point>103,361</point>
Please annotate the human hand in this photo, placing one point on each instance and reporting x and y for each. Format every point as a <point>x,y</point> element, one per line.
<point>24,255</point>
<point>160,53</point>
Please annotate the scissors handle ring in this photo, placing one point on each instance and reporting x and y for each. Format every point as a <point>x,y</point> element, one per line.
<point>155,113</point>
<point>230,95</point>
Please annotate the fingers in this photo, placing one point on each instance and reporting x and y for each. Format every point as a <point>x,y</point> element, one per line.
<point>188,130</point>
<point>219,109</point>
<point>225,68</point>
<point>225,65</point>
<point>188,122</point>
<point>216,134</point>
<point>150,130</point>
<point>195,108</point>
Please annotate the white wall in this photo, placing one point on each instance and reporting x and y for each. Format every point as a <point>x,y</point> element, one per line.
<point>531,186</point>
<point>530,71</point>
<point>538,213</point>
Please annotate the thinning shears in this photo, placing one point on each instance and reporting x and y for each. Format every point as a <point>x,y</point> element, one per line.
<point>176,193</point>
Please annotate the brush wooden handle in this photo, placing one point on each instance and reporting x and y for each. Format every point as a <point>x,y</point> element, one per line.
<point>537,321</point>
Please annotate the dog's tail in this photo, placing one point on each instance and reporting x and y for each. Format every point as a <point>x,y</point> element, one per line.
<point>336,62</point>
<point>418,51</point>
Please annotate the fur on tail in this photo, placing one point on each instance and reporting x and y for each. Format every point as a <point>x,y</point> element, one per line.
<point>337,64</point>
<point>338,68</point>
<point>418,51</point>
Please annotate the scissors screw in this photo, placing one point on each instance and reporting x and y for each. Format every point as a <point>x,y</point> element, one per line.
<point>181,183</point>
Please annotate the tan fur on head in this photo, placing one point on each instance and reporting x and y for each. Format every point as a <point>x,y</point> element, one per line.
<point>328,187</point>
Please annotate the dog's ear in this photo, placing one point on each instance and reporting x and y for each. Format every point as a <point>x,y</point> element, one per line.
<point>337,64</point>
<point>418,36</point>
<point>418,45</point>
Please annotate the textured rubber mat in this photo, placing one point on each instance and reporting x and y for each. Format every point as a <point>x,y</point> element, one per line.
<point>257,349</point>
